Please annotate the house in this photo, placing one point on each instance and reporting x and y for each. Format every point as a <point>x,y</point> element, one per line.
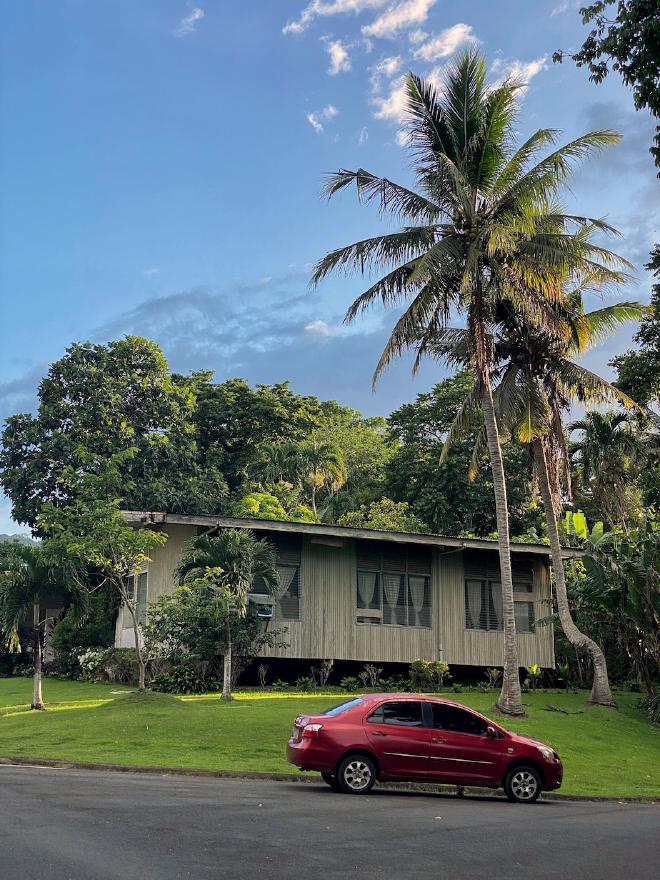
<point>373,596</point>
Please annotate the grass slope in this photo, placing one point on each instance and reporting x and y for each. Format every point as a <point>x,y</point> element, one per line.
<point>604,752</point>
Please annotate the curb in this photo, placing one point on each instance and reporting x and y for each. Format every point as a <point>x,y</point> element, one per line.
<point>8,761</point>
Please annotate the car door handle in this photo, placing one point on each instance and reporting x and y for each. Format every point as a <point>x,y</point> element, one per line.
<point>438,739</point>
<point>378,733</point>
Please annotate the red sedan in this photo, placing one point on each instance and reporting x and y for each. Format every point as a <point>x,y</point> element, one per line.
<point>420,739</point>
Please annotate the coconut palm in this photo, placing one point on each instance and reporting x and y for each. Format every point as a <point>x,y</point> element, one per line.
<point>481,228</point>
<point>27,585</point>
<point>229,563</point>
<point>537,380</point>
<point>320,465</point>
<point>608,451</point>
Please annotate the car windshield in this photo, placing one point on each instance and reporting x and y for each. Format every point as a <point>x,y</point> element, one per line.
<point>343,707</point>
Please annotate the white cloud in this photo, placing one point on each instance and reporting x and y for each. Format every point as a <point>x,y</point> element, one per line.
<point>560,8</point>
<point>523,71</point>
<point>187,25</point>
<point>417,36</point>
<point>445,43</point>
<point>340,61</point>
<point>323,8</point>
<point>398,17</point>
<point>151,272</point>
<point>317,118</point>
<point>392,106</point>
<point>363,135</point>
<point>319,328</point>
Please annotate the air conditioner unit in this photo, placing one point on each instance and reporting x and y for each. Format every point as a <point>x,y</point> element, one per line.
<point>265,611</point>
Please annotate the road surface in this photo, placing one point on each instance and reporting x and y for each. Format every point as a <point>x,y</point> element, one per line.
<point>87,825</point>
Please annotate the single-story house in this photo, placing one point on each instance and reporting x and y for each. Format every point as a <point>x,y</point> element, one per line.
<point>373,596</point>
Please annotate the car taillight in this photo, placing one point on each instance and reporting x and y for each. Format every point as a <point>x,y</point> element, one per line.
<point>311,730</point>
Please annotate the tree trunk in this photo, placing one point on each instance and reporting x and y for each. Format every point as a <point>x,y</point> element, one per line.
<point>510,699</point>
<point>139,656</point>
<point>37,699</point>
<point>226,674</point>
<point>600,692</point>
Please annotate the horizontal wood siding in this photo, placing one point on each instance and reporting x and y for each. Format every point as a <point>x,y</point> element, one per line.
<point>328,608</point>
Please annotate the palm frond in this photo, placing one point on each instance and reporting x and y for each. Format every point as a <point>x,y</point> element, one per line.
<point>464,420</point>
<point>392,197</point>
<point>594,327</point>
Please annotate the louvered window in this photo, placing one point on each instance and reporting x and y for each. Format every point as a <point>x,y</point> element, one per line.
<point>287,596</point>
<point>483,595</point>
<point>393,584</point>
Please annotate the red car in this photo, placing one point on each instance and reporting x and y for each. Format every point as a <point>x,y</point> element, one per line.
<point>420,739</point>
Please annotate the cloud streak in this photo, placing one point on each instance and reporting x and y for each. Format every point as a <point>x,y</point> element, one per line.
<point>188,24</point>
<point>340,61</point>
<point>398,17</point>
<point>325,8</point>
<point>318,118</point>
<point>445,43</point>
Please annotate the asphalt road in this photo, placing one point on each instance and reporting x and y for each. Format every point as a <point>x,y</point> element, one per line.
<point>86,825</point>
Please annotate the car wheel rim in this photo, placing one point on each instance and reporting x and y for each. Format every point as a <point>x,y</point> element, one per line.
<point>524,785</point>
<point>357,775</point>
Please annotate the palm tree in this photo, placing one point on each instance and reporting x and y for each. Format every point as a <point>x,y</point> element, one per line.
<point>27,585</point>
<point>537,380</point>
<point>482,228</point>
<point>229,563</point>
<point>609,449</point>
<point>320,465</point>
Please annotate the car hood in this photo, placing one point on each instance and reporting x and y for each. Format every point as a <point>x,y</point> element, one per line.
<point>529,740</point>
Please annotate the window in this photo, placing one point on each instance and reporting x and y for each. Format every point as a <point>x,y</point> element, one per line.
<point>457,720</point>
<point>393,584</point>
<point>524,612</point>
<point>343,707</point>
<point>483,604</point>
<point>406,713</point>
<point>137,591</point>
<point>287,595</point>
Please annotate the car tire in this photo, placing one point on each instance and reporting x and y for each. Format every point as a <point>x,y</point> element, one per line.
<point>356,774</point>
<point>331,780</point>
<point>523,784</point>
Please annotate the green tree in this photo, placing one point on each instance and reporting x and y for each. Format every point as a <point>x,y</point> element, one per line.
<point>28,584</point>
<point>609,453</point>
<point>440,493</point>
<point>89,534</point>
<point>630,42</point>
<point>384,514</point>
<point>99,400</point>
<point>227,565</point>
<point>265,505</point>
<point>483,226</point>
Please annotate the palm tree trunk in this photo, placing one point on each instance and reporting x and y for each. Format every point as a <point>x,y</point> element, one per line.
<point>510,699</point>
<point>226,675</point>
<point>37,698</point>
<point>600,691</point>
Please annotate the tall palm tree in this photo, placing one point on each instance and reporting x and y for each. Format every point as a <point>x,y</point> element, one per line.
<point>229,563</point>
<point>609,450</point>
<point>320,465</point>
<point>27,585</point>
<point>481,228</point>
<point>537,380</point>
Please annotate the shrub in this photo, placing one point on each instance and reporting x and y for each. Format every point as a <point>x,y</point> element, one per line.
<point>421,674</point>
<point>120,665</point>
<point>306,683</point>
<point>439,672</point>
<point>350,683</point>
<point>457,688</point>
<point>493,677</point>
<point>534,675</point>
<point>280,685</point>
<point>395,683</point>
<point>92,662</point>
<point>370,675</point>
<point>183,679</point>
<point>651,705</point>
<point>262,672</point>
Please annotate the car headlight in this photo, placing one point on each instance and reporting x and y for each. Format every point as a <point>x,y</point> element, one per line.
<point>547,752</point>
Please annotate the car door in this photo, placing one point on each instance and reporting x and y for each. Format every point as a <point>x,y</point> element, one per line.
<point>396,732</point>
<point>460,749</point>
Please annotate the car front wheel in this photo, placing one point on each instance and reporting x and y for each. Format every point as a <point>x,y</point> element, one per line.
<point>523,785</point>
<point>356,774</point>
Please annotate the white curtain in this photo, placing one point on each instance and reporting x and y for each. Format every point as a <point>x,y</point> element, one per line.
<point>287,574</point>
<point>473,604</point>
<point>366,587</point>
<point>496,622</point>
<point>417,586</point>
<point>391,588</point>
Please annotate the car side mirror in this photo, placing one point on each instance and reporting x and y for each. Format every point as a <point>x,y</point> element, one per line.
<point>490,731</point>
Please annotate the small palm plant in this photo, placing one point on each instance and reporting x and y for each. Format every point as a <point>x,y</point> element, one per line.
<point>229,564</point>
<point>28,584</point>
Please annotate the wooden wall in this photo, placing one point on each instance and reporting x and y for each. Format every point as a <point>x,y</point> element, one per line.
<point>327,627</point>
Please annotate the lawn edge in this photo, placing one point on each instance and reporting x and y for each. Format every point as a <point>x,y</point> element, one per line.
<point>8,761</point>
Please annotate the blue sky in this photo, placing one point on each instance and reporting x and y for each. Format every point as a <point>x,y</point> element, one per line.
<point>162,162</point>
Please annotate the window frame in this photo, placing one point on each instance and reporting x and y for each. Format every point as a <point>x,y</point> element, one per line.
<point>486,591</point>
<point>381,708</point>
<point>376,616</point>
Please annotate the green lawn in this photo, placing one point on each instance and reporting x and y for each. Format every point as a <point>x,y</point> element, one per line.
<point>604,752</point>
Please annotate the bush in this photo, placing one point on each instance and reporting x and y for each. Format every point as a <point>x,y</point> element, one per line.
<point>457,688</point>
<point>651,705</point>
<point>421,674</point>
<point>370,675</point>
<point>306,683</point>
<point>183,679</point>
<point>439,672</point>
<point>120,665</point>
<point>280,685</point>
<point>350,683</point>
<point>92,662</point>
<point>395,683</point>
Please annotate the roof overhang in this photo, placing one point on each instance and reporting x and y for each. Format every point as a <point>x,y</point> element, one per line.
<point>213,523</point>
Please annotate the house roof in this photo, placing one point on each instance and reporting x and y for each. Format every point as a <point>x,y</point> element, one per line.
<point>328,532</point>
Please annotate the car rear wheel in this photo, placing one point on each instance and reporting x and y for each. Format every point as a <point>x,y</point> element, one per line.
<point>331,780</point>
<point>523,785</point>
<point>356,774</point>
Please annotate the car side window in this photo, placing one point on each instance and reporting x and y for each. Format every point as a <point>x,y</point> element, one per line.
<point>457,720</point>
<point>406,713</point>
